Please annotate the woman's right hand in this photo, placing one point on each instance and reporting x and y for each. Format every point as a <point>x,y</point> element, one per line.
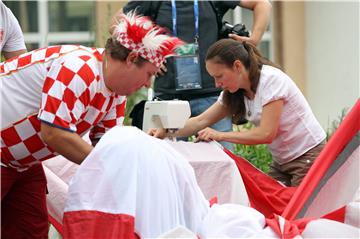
<point>157,133</point>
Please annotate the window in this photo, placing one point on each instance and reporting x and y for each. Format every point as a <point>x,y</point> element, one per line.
<point>71,16</point>
<point>55,22</point>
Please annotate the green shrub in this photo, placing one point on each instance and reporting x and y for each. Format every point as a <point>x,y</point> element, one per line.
<point>335,124</point>
<point>258,155</point>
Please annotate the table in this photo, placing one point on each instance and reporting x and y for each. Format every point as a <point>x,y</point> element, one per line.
<point>216,173</point>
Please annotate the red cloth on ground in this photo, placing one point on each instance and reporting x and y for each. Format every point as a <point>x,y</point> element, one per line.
<point>265,194</point>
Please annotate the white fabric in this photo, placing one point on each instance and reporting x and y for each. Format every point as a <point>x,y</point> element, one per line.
<point>352,214</point>
<point>216,173</point>
<point>345,178</point>
<point>129,172</point>
<point>11,37</point>
<point>55,183</point>
<point>53,233</point>
<point>234,221</point>
<point>59,171</point>
<point>179,232</point>
<point>323,228</point>
<point>298,131</point>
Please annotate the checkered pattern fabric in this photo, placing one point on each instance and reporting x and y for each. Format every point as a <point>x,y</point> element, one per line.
<point>153,56</point>
<point>62,86</point>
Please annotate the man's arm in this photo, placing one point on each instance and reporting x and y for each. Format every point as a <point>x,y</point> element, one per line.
<point>68,144</point>
<point>261,17</point>
<point>11,54</point>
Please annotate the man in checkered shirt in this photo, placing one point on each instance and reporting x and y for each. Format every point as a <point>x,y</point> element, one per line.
<point>50,97</point>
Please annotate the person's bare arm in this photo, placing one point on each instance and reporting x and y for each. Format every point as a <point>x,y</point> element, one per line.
<point>263,134</point>
<point>212,115</point>
<point>261,17</point>
<point>68,144</point>
<point>11,54</point>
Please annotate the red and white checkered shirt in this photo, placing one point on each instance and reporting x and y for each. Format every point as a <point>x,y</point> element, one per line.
<point>59,85</point>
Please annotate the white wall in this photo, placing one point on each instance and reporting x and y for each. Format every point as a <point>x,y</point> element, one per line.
<point>332,57</point>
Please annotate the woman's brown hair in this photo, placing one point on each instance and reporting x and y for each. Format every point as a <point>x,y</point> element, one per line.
<point>226,52</point>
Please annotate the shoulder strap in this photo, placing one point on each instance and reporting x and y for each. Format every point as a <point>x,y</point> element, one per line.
<point>218,14</point>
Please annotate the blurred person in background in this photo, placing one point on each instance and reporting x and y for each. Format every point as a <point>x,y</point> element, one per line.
<point>11,37</point>
<point>198,23</point>
<point>52,96</point>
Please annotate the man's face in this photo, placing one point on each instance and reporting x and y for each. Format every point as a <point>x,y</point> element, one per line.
<point>125,78</point>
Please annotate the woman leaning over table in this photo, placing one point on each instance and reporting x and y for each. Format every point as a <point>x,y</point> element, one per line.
<point>255,90</point>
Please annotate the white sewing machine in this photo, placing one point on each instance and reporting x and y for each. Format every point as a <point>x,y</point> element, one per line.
<point>171,114</point>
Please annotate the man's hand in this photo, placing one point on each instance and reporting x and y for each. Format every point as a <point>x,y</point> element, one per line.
<point>208,134</point>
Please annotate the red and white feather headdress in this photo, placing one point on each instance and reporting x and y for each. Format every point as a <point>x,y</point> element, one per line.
<point>140,34</point>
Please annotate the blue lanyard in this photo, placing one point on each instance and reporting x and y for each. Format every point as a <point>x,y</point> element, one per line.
<point>196,15</point>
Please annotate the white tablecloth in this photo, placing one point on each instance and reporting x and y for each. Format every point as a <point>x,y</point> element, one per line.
<point>216,173</point>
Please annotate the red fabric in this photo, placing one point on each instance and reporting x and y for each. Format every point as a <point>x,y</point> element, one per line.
<point>23,203</point>
<point>58,226</point>
<point>213,200</point>
<point>95,224</point>
<point>348,128</point>
<point>337,215</point>
<point>265,194</point>
<point>289,229</point>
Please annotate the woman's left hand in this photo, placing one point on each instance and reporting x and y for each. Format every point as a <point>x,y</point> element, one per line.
<point>208,134</point>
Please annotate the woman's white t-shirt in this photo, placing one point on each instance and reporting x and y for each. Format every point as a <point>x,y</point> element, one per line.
<point>298,131</point>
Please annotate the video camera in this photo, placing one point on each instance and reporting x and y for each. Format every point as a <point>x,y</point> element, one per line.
<point>238,29</point>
